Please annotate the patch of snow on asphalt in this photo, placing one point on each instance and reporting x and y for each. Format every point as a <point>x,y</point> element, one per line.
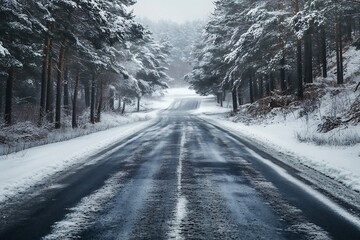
<point>84,213</point>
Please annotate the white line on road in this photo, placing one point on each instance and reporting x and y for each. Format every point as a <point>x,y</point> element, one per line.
<point>180,211</point>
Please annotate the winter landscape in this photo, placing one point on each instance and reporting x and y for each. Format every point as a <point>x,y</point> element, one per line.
<point>169,119</point>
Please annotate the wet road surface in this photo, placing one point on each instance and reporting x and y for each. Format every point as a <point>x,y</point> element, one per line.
<point>181,178</point>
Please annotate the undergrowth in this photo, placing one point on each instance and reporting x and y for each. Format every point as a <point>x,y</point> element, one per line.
<point>328,114</point>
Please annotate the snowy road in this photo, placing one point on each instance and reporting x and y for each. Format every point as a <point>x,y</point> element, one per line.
<point>181,178</point>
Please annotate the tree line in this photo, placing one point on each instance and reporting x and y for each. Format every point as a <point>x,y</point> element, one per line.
<point>255,47</point>
<point>55,52</point>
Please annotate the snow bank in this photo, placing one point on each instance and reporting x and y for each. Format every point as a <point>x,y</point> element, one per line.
<point>19,171</point>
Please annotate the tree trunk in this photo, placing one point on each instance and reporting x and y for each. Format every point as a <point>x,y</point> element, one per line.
<point>9,96</point>
<point>50,85</point>
<point>339,58</point>
<point>308,57</point>
<point>255,87</point>
<point>300,87</point>
<point>59,85</point>
<point>282,48</point>
<point>261,86</point>
<point>74,105</point>
<point>323,52</point>
<point>221,99</point>
<point>138,104</point>
<point>44,74</point>
<point>268,85</point>
<point>87,93</point>
<point>112,100</point>
<point>100,102</point>
<point>234,99</point>
<point>251,89</point>
<point>119,104</point>
<point>1,95</point>
<point>239,96</point>
<point>123,108</point>
<point>272,82</point>
<point>282,74</point>
<point>299,66</point>
<point>66,92</point>
<point>92,102</point>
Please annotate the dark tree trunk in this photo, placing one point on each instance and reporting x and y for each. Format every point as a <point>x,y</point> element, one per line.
<point>92,102</point>
<point>87,93</point>
<point>234,99</point>
<point>255,88</point>
<point>50,85</point>
<point>221,98</point>
<point>44,75</point>
<point>339,58</point>
<point>272,82</point>
<point>123,107</point>
<point>300,87</point>
<point>119,104</point>
<point>323,52</point>
<point>239,96</point>
<point>74,105</point>
<point>308,57</point>
<point>9,96</point>
<point>112,100</point>
<point>1,95</point>
<point>268,85</point>
<point>282,48</point>
<point>100,101</point>
<point>59,85</point>
<point>261,86</point>
<point>138,104</point>
<point>66,91</point>
<point>282,75</point>
<point>299,66</point>
<point>251,89</point>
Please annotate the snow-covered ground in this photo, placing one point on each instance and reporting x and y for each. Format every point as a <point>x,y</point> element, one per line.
<point>21,170</point>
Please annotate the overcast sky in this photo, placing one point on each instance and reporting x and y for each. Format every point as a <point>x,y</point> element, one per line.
<point>178,11</point>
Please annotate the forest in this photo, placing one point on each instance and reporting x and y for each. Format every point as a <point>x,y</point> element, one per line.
<point>257,49</point>
<point>61,57</point>
<point>64,63</point>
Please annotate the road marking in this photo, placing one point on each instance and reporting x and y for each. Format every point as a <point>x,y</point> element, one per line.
<point>181,210</point>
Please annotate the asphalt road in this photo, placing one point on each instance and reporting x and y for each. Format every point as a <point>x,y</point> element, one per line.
<point>181,178</point>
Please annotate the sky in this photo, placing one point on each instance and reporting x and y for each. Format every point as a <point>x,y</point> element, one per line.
<point>179,11</point>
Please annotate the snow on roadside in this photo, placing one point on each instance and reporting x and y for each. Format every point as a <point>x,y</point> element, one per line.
<point>339,163</point>
<point>22,170</point>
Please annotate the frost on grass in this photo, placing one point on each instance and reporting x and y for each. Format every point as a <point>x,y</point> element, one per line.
<point>24,135</point>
